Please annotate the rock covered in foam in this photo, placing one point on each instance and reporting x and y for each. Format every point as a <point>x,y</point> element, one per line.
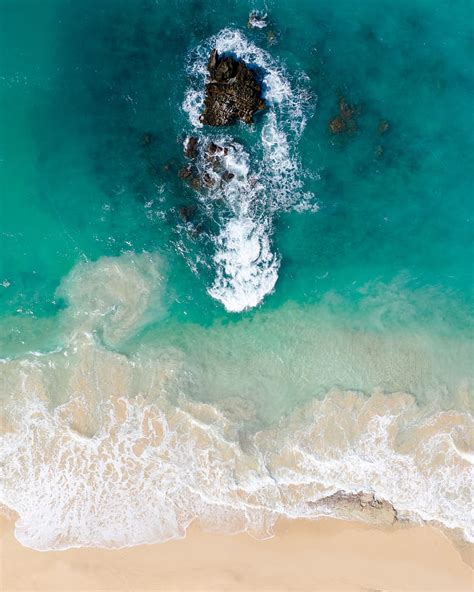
<point>208,168</point>
<point>232,92</point>
<point>191,147</point>
<point>257,20</point>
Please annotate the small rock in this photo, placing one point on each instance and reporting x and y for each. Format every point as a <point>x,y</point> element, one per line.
<point>347,111</point>
<point>212,148</point>
<point>271,37</point>
<point>366,498</point>
<point>227,176</point>
<point>186,213</point>
<point>207,180</point>
<point>383,126</point>
<point>191,147</point>
<point>337,125</point>
<point>195,183</point>
<point>147,139</point>
<point>257,20</point>
<point>345,120</point>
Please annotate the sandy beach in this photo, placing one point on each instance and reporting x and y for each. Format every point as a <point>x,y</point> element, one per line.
<point>303,556</point>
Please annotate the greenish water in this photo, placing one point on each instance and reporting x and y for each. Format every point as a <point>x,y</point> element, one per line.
<point>360,248</point>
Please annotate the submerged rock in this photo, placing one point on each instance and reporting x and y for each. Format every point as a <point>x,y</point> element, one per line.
<point>232,92</point>
<point>383,126</point>
<point>344,122</point>
<point>186,213</point>
<point>147,139</point>
<point>337,125</point>
<point>185,173</point>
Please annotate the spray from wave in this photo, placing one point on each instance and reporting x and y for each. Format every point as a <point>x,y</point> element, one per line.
<point>267,177</point>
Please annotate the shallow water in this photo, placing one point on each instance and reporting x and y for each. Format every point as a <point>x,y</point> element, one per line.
<point>307,332</point>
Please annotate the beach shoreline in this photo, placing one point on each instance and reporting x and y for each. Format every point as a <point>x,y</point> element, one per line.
<point>325,554</point>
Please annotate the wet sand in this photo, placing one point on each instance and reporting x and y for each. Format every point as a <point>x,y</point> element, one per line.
<point>303,556</point>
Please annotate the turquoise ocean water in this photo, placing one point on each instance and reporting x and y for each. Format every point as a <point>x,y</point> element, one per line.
<point>308,331</point>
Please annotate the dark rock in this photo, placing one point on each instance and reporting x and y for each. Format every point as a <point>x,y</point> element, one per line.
<point>337,125</point>
<point>212,148</point>
<point>185,173</point>
<point>207,180</point>
<point>189,175</point>
<point>195,182</point>
<point>271,37</point>
<point>363,506</point>
<point>186,213</point>
<point>191,147</point>
<point>147,139</point>
<point>232,92</point>
<point>383,126</point>
<point>227,176</point>
<point>345,120</point>
<point>347,111</point>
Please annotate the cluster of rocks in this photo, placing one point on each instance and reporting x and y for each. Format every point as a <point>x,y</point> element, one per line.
<point>360,506</point>
<point>206,168</point>
<point>345,121</point>
<point>232,93</point>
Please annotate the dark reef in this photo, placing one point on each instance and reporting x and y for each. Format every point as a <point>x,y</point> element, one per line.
<point>232,93</point>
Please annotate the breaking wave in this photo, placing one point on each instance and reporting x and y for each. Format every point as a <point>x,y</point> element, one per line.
<point>268,177</point>
<point>113,468</point>
<point>100,448</point>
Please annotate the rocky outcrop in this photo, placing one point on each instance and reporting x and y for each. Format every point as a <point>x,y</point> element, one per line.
<point>207,168</point>
<point>232,92</point>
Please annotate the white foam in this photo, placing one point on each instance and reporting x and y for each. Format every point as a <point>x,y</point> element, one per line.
<point>148,470</point>
<point>247,270</point>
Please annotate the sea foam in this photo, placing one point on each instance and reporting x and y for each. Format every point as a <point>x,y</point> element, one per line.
<point>100,448</point>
